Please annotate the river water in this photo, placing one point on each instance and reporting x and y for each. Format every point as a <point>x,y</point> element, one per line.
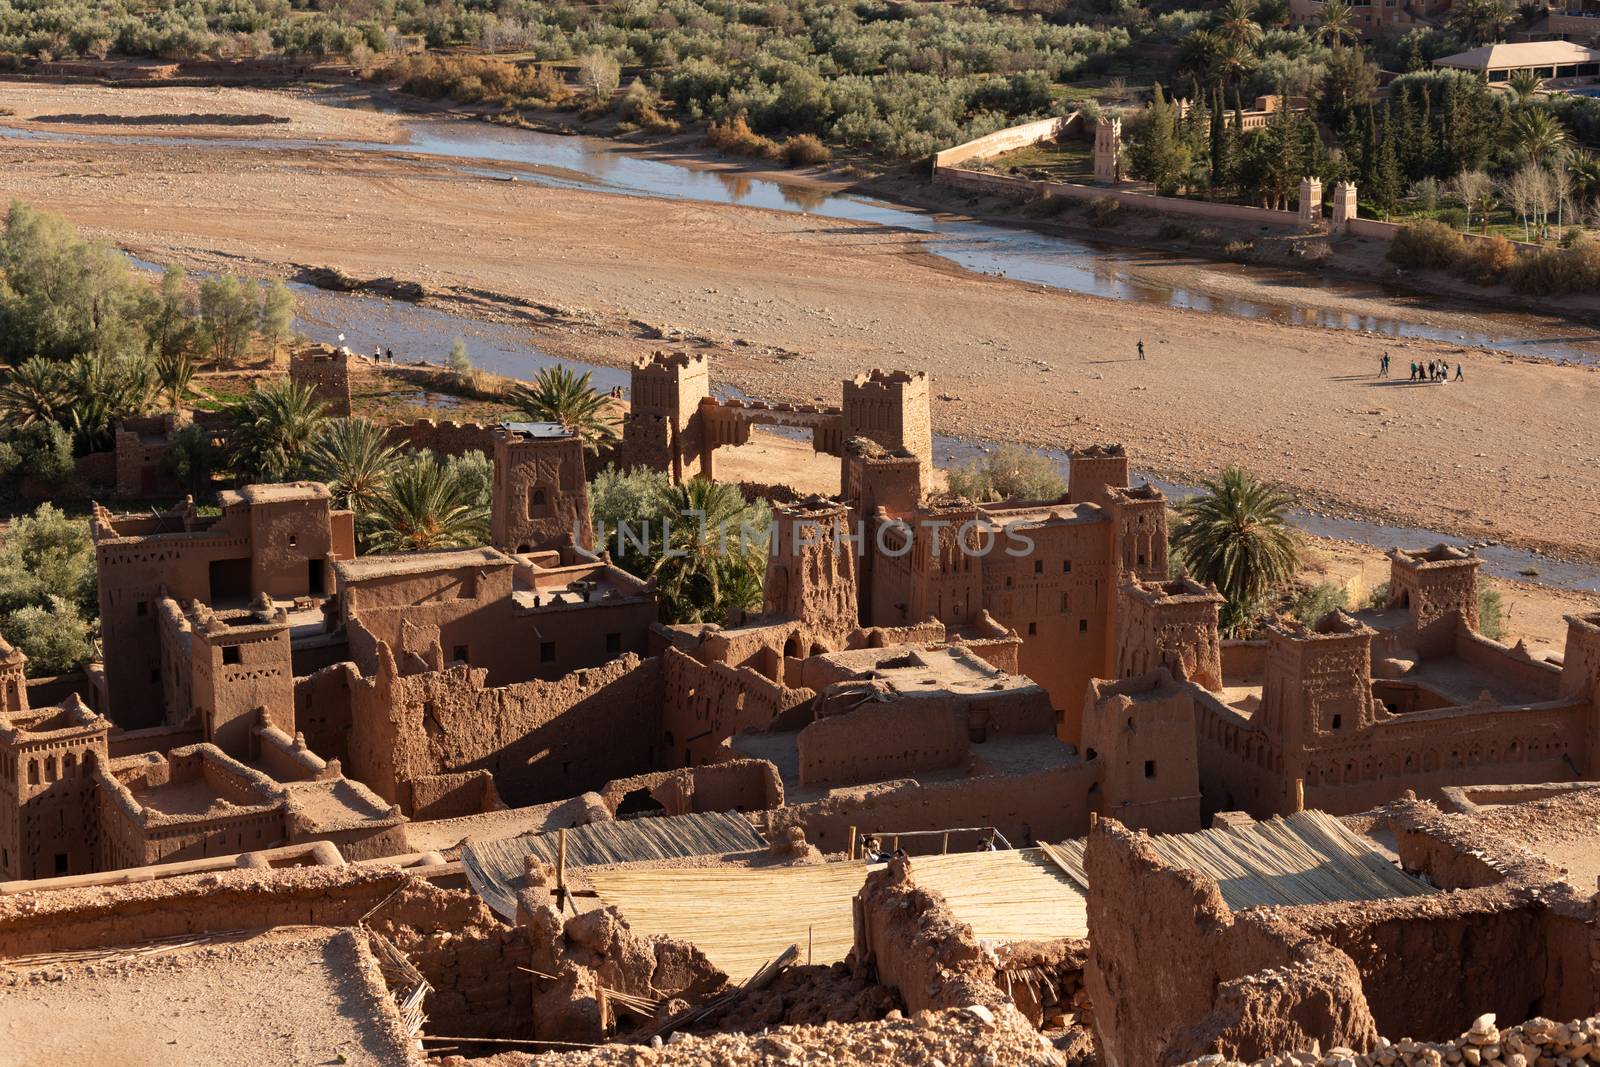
<point>366,323</point>
<point>1016,252</point>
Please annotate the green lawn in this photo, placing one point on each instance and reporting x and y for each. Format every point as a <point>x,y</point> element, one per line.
<point>1071,160</point>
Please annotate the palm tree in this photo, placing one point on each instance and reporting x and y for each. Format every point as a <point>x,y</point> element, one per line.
<point>102,391</point>
<point>35,390</point>
<point>1478,21</point>
<point>356,458</point>
<point>424,509</point>
<point>1235,62</point>
<point>1539,136</point>
<point>174,370</point>
<point>1237,537</point>
<point>1236,22</point>
<point>1338,24</point>
<point>1200,56</point>
<point>274,426</point>
<point>1524,85</point>
<point>559,395</point>
<point>1585,170</point>
<point>703,548</point>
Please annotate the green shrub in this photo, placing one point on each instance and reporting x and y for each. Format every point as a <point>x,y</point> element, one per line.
<point>1426,244</point>
<point>1491,613</point>
<point>1009,473</point>
<point>1311,603</point>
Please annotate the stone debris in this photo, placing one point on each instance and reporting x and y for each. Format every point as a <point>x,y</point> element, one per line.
<point>1539,1042</point>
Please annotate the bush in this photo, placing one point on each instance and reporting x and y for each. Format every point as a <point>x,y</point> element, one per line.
<point>1426,245</point>
<point>736,138</point>
<point>1105,212</point>
<point>1558,271</point>
<point>805,150</point>
<point>1009,473</point>
<point>1238,250</point>
<point>1313,602</point>
<point>1172,231</point>
<point>1491,613</point>
<point>1487,262</point>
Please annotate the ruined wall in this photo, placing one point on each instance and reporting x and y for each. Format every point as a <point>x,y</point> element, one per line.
<point>704,704</point>
<point>322,710</point>
<point>1243,985</point>
<point>542,740</point>
<point>733,785</point>
<point>1515,665</point>
<point>445,438</point>
<point>916,945</point>
<point>1041,806</point>
<point>1142,732</point>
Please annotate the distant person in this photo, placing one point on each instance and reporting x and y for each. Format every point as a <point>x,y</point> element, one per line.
<point>986,842</point>
<point>1383,365</point>
<point>1413,370</point>
<point>870,851</point>
<point>388,354</point>
<point>1459,376</point>
<point>1141,349</point>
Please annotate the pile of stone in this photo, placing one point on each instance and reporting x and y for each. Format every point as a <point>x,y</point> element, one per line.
<point>1536,1043</point>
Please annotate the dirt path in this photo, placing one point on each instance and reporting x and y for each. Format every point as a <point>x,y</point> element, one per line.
<point>795,303</point>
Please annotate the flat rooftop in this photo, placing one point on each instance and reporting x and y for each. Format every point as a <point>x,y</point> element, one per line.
<point>911,671</point>
<point>293,995</point>
<point>366,568</point>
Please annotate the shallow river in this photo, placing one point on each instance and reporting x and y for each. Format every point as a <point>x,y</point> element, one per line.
<point>367,322</point>
<point>1058,262</point>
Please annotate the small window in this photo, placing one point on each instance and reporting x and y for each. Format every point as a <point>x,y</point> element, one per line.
<point>1008,581</point>
<point>142,608</point>
<point>613,644</point>
<point>1066,566</point>
<point>566,768</point>
<point>1083,626</point>
<point>1038,566</point>
<point>1149,768</point>
<point>1033,628</point>
<point>230,654</point>
<point>1141,559</point>
<point>33,772</point>
<point>1066,604</point>
<point>61,863</point>
<point>547,652</point>
<point>294,541</point>
<point>1336,722</point>
<point>461,654</point>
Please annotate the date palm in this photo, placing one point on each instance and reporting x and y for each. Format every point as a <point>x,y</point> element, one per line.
<point>1200,56</point>
<point>1236,536</point>
<point>102,391</point>
<point>559,395</point>
<point>174,370</point>
<point>1236,23</point>
<point>35,390</point>
<point>1524,85</point>
<point>1539,136</point>
<point>1479,21</point>
<point>356,458</point>
<point>274,426</point>
<point>426,509</point>
<point>1338,25</point>
<point>704,549</point>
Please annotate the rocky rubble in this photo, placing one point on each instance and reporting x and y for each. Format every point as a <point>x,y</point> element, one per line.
<point>1538,1042</point>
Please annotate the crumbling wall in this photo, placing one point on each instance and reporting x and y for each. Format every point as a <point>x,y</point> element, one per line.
<point>733,785</point>
<point>540,740</point>
<point>445,438</point>
<point>916,945</point>
<point>322,710</point>
<point>1174,973</point>
<point>1042,806</point>
<point>704,704</point>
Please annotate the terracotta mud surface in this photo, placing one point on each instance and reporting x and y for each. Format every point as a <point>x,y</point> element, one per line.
<point>794,303</point>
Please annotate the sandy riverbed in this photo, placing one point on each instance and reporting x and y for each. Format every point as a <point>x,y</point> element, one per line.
<point>794,303</point>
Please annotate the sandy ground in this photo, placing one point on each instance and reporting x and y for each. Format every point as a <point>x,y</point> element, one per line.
<point>289,996</point>
<point>792,304</point>
<point>198,112</point>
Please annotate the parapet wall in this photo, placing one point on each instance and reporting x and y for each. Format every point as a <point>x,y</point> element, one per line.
<point>1009,140</point>
<point>445,438</point>
<point>1243,985</point>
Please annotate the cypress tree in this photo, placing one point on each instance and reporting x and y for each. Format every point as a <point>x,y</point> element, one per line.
<point>1369,148</point>
<point>1386,184</point>
<point>1217,163</point>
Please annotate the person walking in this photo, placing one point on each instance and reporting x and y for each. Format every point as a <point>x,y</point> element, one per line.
<point>1413,370</point>
<point>1383,364</point>
<point>1459,376</point>
<point>1141,348</point>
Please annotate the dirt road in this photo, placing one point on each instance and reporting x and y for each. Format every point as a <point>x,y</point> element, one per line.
<point>794,303</point>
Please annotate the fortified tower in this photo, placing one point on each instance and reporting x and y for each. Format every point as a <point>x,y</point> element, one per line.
<point>1439,587</point>
<point>1139,531</point>
<point>1094,470</point>
<point>891,408</point>
<point>540,496</point>
<point>48,814</point>
<point>325,370</point>
<point>241,666</point>
<point>1172,625</point>
<point>811,574</point>
<point>13,680</point>
<point>1318,684</point>
<point>663,424</point>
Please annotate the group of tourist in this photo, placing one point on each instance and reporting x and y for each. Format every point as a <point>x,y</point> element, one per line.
<point>1435,370</point>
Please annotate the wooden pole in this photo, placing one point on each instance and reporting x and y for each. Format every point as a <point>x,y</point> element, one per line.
<point>809,930</point>
<point>1093,818</point>
<point>945,848</point>
<point>852,853</point>
<point>894,844</point>
<point>1299,794</point>
<point>561,870</point>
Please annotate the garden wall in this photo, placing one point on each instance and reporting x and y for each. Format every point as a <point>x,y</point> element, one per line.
<point>1007,140</point>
